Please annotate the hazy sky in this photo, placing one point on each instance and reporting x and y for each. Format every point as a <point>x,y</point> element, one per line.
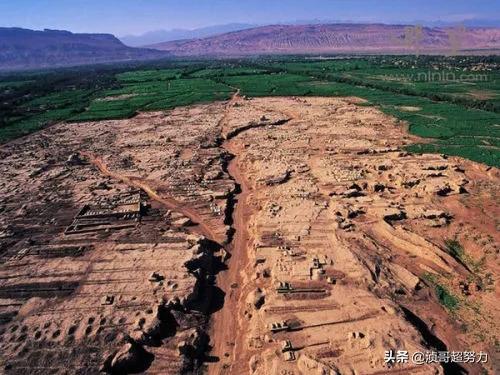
<point>122,17</point>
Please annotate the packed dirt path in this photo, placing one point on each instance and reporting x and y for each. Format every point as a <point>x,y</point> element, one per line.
<point>225,333</point>
<point>169,203</point>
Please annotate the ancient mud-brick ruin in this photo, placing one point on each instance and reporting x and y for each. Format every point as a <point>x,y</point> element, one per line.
<point>261,236</point>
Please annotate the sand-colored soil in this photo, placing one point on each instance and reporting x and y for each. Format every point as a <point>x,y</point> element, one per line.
<point>235,198</point>
<point>334,205</point>
<point>110,242</point>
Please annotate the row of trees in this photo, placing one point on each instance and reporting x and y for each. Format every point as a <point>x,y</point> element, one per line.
<point>441,97</point>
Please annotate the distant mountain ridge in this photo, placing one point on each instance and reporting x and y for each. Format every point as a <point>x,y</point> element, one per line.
<point>337,38</point>
<point>159,36</point>
<point>31,49</point>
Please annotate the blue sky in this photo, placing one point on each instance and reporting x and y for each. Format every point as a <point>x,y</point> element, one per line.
<point>122,17</point>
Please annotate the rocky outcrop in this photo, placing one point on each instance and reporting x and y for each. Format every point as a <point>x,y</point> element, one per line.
<point>130,358</point>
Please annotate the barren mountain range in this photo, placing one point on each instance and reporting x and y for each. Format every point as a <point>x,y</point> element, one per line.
<point>31,49</point>
<point>336,38</point>
<point>26,49</point>
<point>160,36</point>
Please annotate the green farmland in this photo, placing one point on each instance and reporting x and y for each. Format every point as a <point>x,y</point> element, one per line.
<point>453,101</point>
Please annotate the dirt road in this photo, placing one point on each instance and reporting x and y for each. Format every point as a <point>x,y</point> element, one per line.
<point>225,331</point>
<point>170,203</point>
